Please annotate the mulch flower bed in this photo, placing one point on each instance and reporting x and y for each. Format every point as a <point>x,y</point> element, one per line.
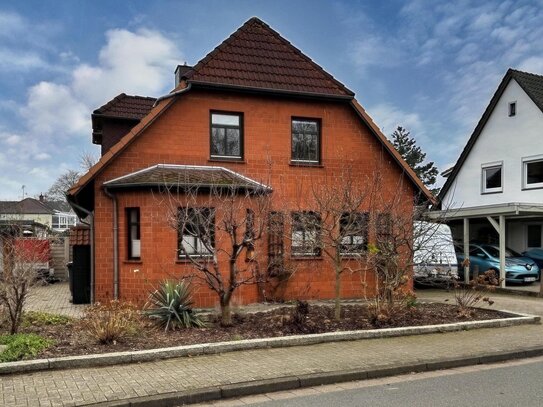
<point>71,340</point>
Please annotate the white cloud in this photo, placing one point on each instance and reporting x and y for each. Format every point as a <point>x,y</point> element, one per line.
<point>57,113</point>
<point>140,62</point>
<point>53,109</point>
<point>132,62</point>
<point>388,117</point>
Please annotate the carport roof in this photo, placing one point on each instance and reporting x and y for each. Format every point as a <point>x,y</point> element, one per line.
<point>509,209</point>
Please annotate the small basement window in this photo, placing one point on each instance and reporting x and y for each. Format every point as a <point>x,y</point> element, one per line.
<point>532,172</point>
<point>492,178</point>
<point>512,109</point>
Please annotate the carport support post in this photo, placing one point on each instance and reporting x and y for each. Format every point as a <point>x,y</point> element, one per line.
<point>466,249</point>
<point>502,251</point>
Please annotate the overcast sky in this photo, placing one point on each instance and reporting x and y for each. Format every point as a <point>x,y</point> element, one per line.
<point>429,66</point>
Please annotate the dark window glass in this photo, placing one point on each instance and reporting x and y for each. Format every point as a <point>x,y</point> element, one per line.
<point>305,140</point>
<point>226,135</point>
<point>534,235</point>
<point>512,109</point>
<point>306,229</point>
<point>134,242</point>
<point>493,177</point>
<point>534,172</point>
<point>196,232</point>
<point>353,229</point>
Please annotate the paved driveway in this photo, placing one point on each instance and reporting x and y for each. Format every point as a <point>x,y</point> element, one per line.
<point>54,299</point>
<point>519,303</point>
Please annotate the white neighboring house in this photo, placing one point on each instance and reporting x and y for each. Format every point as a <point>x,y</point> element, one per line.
<point>494,193</point>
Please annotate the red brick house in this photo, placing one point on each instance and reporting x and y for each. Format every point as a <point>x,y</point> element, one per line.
<point>254,99</point>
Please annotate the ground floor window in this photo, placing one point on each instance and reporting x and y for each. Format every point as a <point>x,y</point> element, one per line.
<point>353,229</point>
<point>306,239</point>
<point>196,232</point>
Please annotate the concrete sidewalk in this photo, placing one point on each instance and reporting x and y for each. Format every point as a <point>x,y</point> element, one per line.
<point>234,371</point>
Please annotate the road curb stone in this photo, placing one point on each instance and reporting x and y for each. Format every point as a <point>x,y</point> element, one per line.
<point>150,355</point>
<point>310,380</point>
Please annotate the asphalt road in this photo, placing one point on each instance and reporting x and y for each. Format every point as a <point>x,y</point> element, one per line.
<point>517,383</point>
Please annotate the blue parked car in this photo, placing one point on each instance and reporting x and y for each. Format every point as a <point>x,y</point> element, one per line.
<point>536,255</point>
<point>484,257</point>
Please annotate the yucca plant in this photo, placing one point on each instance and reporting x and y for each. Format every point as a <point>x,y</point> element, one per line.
<point>171,306</point>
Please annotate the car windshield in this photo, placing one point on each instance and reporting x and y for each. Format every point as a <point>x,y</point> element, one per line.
<point>494,251</point>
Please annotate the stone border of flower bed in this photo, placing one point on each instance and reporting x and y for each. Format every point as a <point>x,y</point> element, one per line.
<point>150,355</point>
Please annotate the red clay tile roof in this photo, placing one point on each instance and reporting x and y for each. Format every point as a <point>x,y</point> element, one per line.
<point>126,106</point>
<point>80,235</point>
<point>256,56</point>
<point>186,176</point>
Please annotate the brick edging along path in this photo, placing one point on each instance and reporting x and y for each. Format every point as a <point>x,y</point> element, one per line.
<point>262,343</point>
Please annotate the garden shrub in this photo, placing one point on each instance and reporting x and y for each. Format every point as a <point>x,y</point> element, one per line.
<point>22,346</point>
<point>171,306</point>
<point>469,295</point>
<point>111,322</point>
<point>37,318</point>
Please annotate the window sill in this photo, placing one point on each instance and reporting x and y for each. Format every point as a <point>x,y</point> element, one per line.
<point>491,192</point>
<point>528,188</point>
<point>305,164</point>
<point>306,257</point>
<point>184,260</point>
<point>227,160</point>
<point>133,261</point>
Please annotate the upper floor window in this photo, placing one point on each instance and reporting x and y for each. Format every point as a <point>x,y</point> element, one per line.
<point>512,109</point>
<point>492,178</point>
<point>353,229</point>
<point>306,234</point>
<point>196,232</point>
<point>306,139</point>
<point>227,135</point>
<point>532,172</point>
<point>134,241</point>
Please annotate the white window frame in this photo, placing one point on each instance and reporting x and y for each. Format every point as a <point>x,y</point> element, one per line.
<point>484,168</point>
<point>525,162</point>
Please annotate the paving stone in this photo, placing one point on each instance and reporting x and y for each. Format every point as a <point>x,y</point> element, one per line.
<point>103,384</point>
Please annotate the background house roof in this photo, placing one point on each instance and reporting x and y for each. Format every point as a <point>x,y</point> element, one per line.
<point>126,106</point>
<point>186,176</point>
<point>26,206</point>
<point>531,83</point>
<point>257,57</point>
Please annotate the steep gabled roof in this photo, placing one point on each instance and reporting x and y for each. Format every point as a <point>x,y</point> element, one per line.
<point>257,57</point>
<point>252,58</point>
<point>531,83</point>
<point>127,107</point>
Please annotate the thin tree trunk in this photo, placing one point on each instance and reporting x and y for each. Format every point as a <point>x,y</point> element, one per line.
<point>226,315</point>
<point>337,305</point>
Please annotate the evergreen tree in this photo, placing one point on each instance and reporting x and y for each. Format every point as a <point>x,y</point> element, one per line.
<point>415,157</point>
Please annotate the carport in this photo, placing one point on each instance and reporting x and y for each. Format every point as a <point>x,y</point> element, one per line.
<point>497,216</point>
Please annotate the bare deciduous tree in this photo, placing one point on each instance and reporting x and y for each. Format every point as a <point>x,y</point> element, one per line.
<point>336,227</point>
<point>219,230</point>
<point>19,264</point>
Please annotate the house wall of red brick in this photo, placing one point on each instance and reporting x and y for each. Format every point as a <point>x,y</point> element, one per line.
<point>181,135</point>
